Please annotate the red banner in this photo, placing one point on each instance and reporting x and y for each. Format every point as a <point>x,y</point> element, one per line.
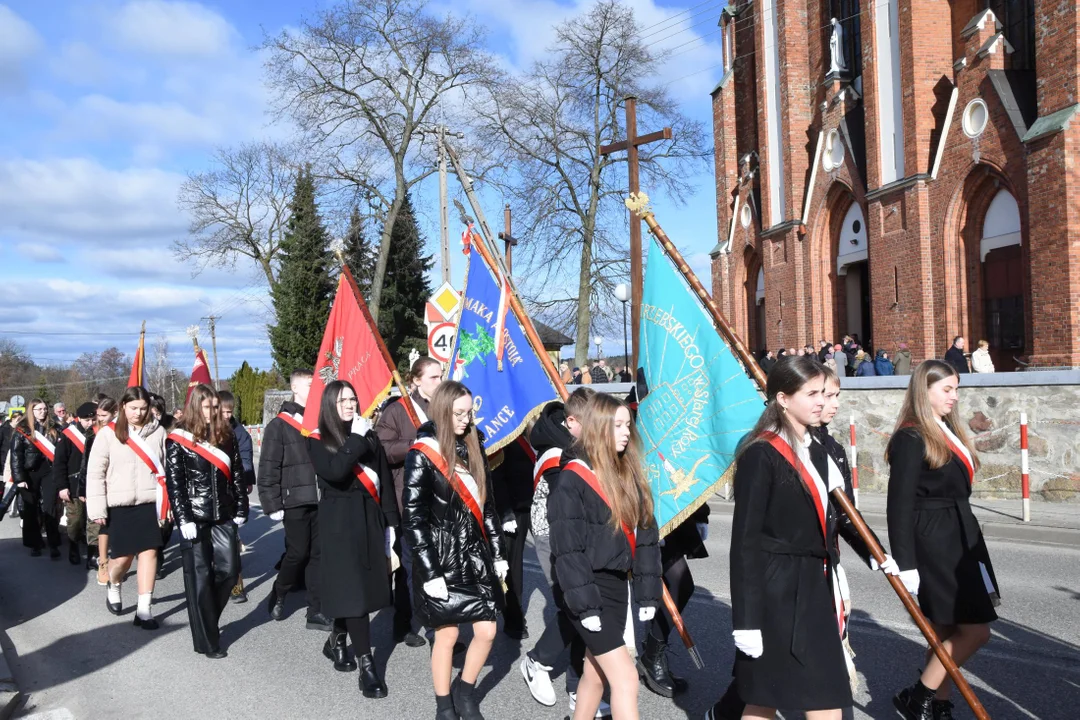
<point>200,373</point>
<point>135,379</point>
<point>350,352</point>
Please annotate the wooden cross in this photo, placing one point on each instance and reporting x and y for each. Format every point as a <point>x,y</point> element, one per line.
<point>509,239</point>
<point>630,145</point>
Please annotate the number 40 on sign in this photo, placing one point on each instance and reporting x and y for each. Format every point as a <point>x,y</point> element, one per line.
<point>441,341</point>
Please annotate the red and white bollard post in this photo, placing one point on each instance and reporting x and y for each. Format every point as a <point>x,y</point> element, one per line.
<point>1025,477</point>
<point>854,463</point>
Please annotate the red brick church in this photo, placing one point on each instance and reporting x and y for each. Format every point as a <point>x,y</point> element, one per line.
<point>909,171</point>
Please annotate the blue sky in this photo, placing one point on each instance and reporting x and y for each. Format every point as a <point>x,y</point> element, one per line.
<point>108,104</point>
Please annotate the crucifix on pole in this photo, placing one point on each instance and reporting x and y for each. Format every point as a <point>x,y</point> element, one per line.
<point>630,145</point>
<point>508,239</point>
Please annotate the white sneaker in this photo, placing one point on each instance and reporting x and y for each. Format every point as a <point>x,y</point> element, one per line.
<point>604,711</point>
<point>539,682</point>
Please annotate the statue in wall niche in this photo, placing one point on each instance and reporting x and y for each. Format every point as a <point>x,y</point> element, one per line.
<point>837,65</point>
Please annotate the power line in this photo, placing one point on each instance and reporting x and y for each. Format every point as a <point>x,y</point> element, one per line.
<point>678,32</point>
<point>682,13</point>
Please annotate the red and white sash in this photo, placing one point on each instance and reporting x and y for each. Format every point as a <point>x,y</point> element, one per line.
<point>586,473</point>
<point>215,456</point>
<point>548,461</point>
<point>430,449</point>
<point>42,443</point>
<point>420,414</point>
<point>296,422</point>
<point>145,453</point>
<point>76,437</point>
<point>369,479</point>
<point>786,452</point>
<point>959,451</point>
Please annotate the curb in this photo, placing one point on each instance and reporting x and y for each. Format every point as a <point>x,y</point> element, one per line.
<point>1014,532</point>
<point>10,697</point>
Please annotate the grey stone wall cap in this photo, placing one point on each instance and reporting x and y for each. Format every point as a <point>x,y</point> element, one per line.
<point>1050,124</point>
<point>1010,379</point>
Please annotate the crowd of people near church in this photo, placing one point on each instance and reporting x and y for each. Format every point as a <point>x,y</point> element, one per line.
<point>408,513</point>
<point>850,358</point>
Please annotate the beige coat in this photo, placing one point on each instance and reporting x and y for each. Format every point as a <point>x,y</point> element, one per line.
<point>116,476</point>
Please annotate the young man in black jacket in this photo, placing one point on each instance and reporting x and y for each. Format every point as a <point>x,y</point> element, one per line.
<point>65,480</point>
<point>288,492</point>
<point>552,436</point>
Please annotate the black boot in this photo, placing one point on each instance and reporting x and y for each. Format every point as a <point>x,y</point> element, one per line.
<point>654,667</point>
<point>915,702</point>
<point>444,708</point>
<point>464,702</point>
<point>337,649</point>
<point>276,605</point>
<point>74,557</point>
<point>92,557</point>
<point>942,710</point>
<point>370,683</point>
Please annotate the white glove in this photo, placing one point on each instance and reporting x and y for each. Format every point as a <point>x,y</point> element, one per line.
<point>188,531</point>
<point>360,425</point>
<point>510,527</point>
<point>591,623</point>
<point>841,582</point>
<point>889,567</point>
<point>749,641</point>
<point>390,537</point>
<point>437,589</point>
<point>645,614</point>
<point>278,515</point>
<point>238,521</point>
<point>910,578</point>
<point>502,568</point>
<point>703,531</point>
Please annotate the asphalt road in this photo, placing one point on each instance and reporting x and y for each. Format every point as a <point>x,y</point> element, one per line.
<point>75,660</point>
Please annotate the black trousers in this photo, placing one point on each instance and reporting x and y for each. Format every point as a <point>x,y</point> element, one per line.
<point>301,546</point>
<point>359,629</point>
<point>557,636</point>
<point>211,566</point>
<point>33,519</point>
<point>680,583</point>
<point>402,595</point>
<point>515,579</point>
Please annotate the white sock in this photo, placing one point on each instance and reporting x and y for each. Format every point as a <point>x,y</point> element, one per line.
<point>114,593</point>
<point>143,608</point>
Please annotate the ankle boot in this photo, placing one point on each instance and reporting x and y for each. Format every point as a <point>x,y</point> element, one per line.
<point>915,702</point>
<point>444,708</point>
<point>74,556</point>
<point>370,683</point>
<point>337,649</point>
<point>942,710</point>
<point>92,557</point>
<point>654,667</point>
<point>464,702</point>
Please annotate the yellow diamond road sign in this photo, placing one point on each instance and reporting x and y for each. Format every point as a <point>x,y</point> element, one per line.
<point>446,300</point>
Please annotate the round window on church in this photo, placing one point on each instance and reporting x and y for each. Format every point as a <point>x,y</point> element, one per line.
<point>746,216</point>
<point>833,155</point>
<point>976,115</point>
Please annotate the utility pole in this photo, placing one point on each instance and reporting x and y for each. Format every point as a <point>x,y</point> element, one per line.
<point>213,346</point>
<point>508,239</point>
<point>630,145</point>
<point>444,217</point>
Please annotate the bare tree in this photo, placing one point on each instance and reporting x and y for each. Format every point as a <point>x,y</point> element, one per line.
<point>240,207</point>
<point>162,377</point>
<point>368,80</point>
<point>552,121</point>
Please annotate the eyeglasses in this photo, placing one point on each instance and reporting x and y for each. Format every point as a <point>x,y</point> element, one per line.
<point>347,401</point>
<point>465,415</point>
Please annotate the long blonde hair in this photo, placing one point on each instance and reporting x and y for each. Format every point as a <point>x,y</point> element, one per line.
<point>917,413</point>
<point>441,412</point>
<point>621,475</point>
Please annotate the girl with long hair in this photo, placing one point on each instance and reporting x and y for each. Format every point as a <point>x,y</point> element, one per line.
<point>205,479</point>
<point>356,509</point>
<point>97,534</point>
<point>786,607</point>
<point>125,479</point>
<point>933,533</point>
<point>33,442</point>
<point>452,531</point>
<point>602,528</point>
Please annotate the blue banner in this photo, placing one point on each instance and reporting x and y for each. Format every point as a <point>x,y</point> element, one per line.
<point>700,401</point>
<point>505,399</point>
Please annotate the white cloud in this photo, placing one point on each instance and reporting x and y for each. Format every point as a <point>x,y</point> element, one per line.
<point>40,253</point>
<point>182,29</point>
<point>18,42</point>
<point>169,123</point>
<point>79,199</point>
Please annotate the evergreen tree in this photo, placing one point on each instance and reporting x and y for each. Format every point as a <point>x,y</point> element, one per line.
<point>250,386</point>
<point>405,289</point>
<point>359,254</point>
<point>304,288</point>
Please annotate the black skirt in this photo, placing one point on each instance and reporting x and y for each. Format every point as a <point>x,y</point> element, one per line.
<point>615,596</point>
<point>952,558</point>
<point>133,529</point>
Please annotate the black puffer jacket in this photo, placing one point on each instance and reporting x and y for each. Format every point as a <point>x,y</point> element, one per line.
<point>583,541</point>
<point>549,432</point>
<point>512,479</point>
<point>286,477</point>
<point>446,541</point>
<point>198,490</point>
<point>28,465</point>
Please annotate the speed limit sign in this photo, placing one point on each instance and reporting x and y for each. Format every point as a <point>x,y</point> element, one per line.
<point>440,341</point>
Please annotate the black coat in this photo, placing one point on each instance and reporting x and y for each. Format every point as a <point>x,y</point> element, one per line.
<point>955,357</point>
<point>778,587</point>
<point>446,541</point>
<point>548,432</point>
<point>685,540</point>
<point>246,450</point>
<point>826,445</point>
<point>354,577</point>
<point>30,466</point>
<point>512,480</point>
<point>397,434</point>
<point>286,478</point>
<point>583,541</point>
<point>5,443</point>
<point>198,491</point>
<point>933,530</point>
<point>65,469</point>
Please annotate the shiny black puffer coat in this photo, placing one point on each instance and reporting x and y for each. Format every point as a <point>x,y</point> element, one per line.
<point>446,541</point>
<point>28,464</point>
<point>198,491</point>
